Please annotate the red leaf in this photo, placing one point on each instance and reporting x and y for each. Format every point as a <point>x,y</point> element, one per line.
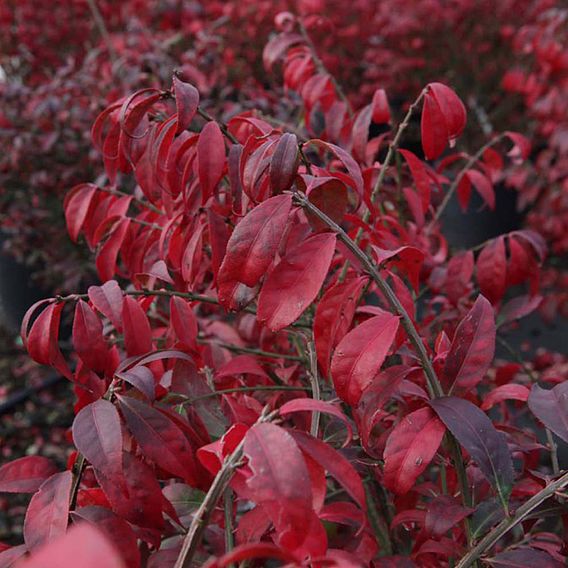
<point>433,129</point>
<point>551,408</point>
<point>476,433</point>
<point>360,133</point>
<point>350,164</point>
<point>492,270</point>
<point>483,186</point>
<point>183,322</point>
<point>444,512</point>
<point>277,47</point>
<point>211,159</point>
<point>253,245</point>
<point>410,448</point>
<point>380,105</point>
<point>46,517</point>
<point>295,282</point>
<point>505,392</point>
<point>312,405</point>
<point>334,463</point>
<point>159,438</point>
<point>141,378</point>
<point>525,557</point>
<point>88,339</point>
<point>330,196</point>
<point>518,308</point>
<point>451,107</point>
<point>42,342</point>
<point>77,205</point>
<point>115,529</point>
<point>137,331</point>
<point>473,347</point>
<point>280,480</point>
<point>25,475</point>
<point>360,354</point>
<point>83,546</point>
<point>98,436</point>
<point>141,503</point>
<point>108,300</point>
<point>420,176</point>
<point>284,163</point>
<point>187,101</point>
<point>521,147</point>
<point>333,318</point>
<point>108,253</point>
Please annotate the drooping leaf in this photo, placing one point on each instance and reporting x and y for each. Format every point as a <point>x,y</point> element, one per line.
<point>360,354</point>
<point>284,163</point>
<point>97,435</point>
<point>88,339</point>
<point>187,101</point>
<point>483,186</point>
<point>137,331</point>
<point>108,300</point>
<point>410,448</point>
<point>476,433</point>
<point>333,318</point>
<point>329,195</point>
<point>551,408</point>
<point>381,109</point>
<point>505,392</point>
<point>280,480</point>
<point>252,551</point>
<point>108,253</point>
<point>25,475</point>
<point>339,467</point>
<point>160,438</point>
<point>254,242</point>
<point>433,129</point>
<point>295,282</point>
<point>46,516</point>
<point>211,159</point>
<point>452,108</point>
<point>78,203</point>
<point>472,348</point>
<point>184,322</point>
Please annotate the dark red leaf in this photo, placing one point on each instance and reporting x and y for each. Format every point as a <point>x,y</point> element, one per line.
<point>98,436</point>
<point>492,270</point>
<point>524,557</point>
<point>159,438</point>
<point>433,129</point>
<point>25,475</point>
<point>284,163</point>
<point>108,300</point>
<point>381,110</point>
<point>46,517</point>
<point>330,196</point>
<point>476,433</point>
<point>88,339</point>
<point>551,408</point>
<point>472,348</point>
<point>187,101</point>
<point>211,159</point>
<point>451,107</point>
<point>77,205</point>
<point>137,331</point>
<point>444,512</point>
<point>505,392</point>
<point>483,186</point>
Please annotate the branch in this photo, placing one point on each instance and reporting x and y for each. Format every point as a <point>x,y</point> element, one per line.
<point>99,21</point>
<point>433,383</point>
<point>507,524</point>
<point>201,518</point>
<point>276,388</point>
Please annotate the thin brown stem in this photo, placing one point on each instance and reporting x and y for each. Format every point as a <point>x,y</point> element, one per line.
<point>490,539</point>
<point>140,202</point>
<point>270,388</point>
<point>101,26</point>
<point>192,539</point>
<point>314,381</point>
<point>224,128</point>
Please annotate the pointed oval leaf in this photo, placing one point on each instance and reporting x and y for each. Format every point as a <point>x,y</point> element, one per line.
<point>211,159</point>
<point>137,331</point>
<point>284,163</point>
<point>159,438</point>
<point>360,354</point>
<point>46,516</point>
<point>473,347</point>
<point>98,436</point>
<point>295,282</point>
<point>254,242</point>
<point>187,101</point>
<point>476,433</point>
<point>410,448</point>
<point>25,475</point>
<point>433,129</point>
